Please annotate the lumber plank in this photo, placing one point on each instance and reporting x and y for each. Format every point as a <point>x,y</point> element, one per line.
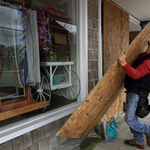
<point>99,100</point>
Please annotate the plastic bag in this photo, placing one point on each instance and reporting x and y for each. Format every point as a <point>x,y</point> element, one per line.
<point>111,131</point>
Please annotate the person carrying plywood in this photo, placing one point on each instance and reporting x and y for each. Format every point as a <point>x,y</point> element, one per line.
<point>137,84</point>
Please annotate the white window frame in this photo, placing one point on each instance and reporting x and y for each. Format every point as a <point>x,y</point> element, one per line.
<point>22,127</point>
<point>19,128</point>
<point>83,47</point>
<point>100,48</point>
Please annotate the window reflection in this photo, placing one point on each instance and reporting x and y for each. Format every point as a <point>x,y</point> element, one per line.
<point>63,15</point>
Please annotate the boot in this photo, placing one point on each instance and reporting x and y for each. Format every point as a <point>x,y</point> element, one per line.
<point>148,140</point>
<point>133,143</point>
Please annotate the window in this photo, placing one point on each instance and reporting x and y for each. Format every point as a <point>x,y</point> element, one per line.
<point>57,59</point>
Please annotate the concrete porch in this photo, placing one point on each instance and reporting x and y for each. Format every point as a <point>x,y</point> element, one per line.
<point>117,144</point>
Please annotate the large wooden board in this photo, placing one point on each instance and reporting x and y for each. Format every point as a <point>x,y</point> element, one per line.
<point>115,40</point>
<point>95,105</point>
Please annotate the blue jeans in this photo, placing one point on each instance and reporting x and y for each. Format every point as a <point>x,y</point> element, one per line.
<point>137,127</point>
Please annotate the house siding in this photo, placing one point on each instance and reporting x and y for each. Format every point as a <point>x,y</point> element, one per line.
<point>43,138</point>
<point>92,44</point>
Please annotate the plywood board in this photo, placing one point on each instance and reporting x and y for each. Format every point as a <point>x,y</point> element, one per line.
<point>115,40</point>
<point>115,33</point>
<point>95,105</point>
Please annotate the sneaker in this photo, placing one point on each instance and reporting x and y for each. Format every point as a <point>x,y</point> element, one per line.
<point>148,140</point>
<point>133,143</point>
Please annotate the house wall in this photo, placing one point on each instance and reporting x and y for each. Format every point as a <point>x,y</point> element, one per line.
<point>116,40</point>
<point>43,138</point>
<point>92,44</point>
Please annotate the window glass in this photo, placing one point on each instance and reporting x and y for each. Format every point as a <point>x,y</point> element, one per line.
<point>38,59</point>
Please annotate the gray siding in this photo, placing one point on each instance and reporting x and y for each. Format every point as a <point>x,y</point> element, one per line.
<point>92,44</point>
<point>43,138</point>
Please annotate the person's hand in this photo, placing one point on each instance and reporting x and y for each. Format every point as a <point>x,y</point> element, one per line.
<point>122,59</point>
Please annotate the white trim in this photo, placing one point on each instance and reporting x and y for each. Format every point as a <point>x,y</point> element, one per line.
<point>100,49</point>
<point>77,42</point>
<point>134,24</point>
<point>83,47</point>
<point>134,20</point>
<point>14,130</point>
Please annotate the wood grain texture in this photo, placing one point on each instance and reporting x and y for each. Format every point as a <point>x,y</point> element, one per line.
<point>99,100</point>
<point>115,33</point>
<point>116,40</point>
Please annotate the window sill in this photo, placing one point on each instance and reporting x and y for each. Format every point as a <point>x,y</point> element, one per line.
<point>17,129</point>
